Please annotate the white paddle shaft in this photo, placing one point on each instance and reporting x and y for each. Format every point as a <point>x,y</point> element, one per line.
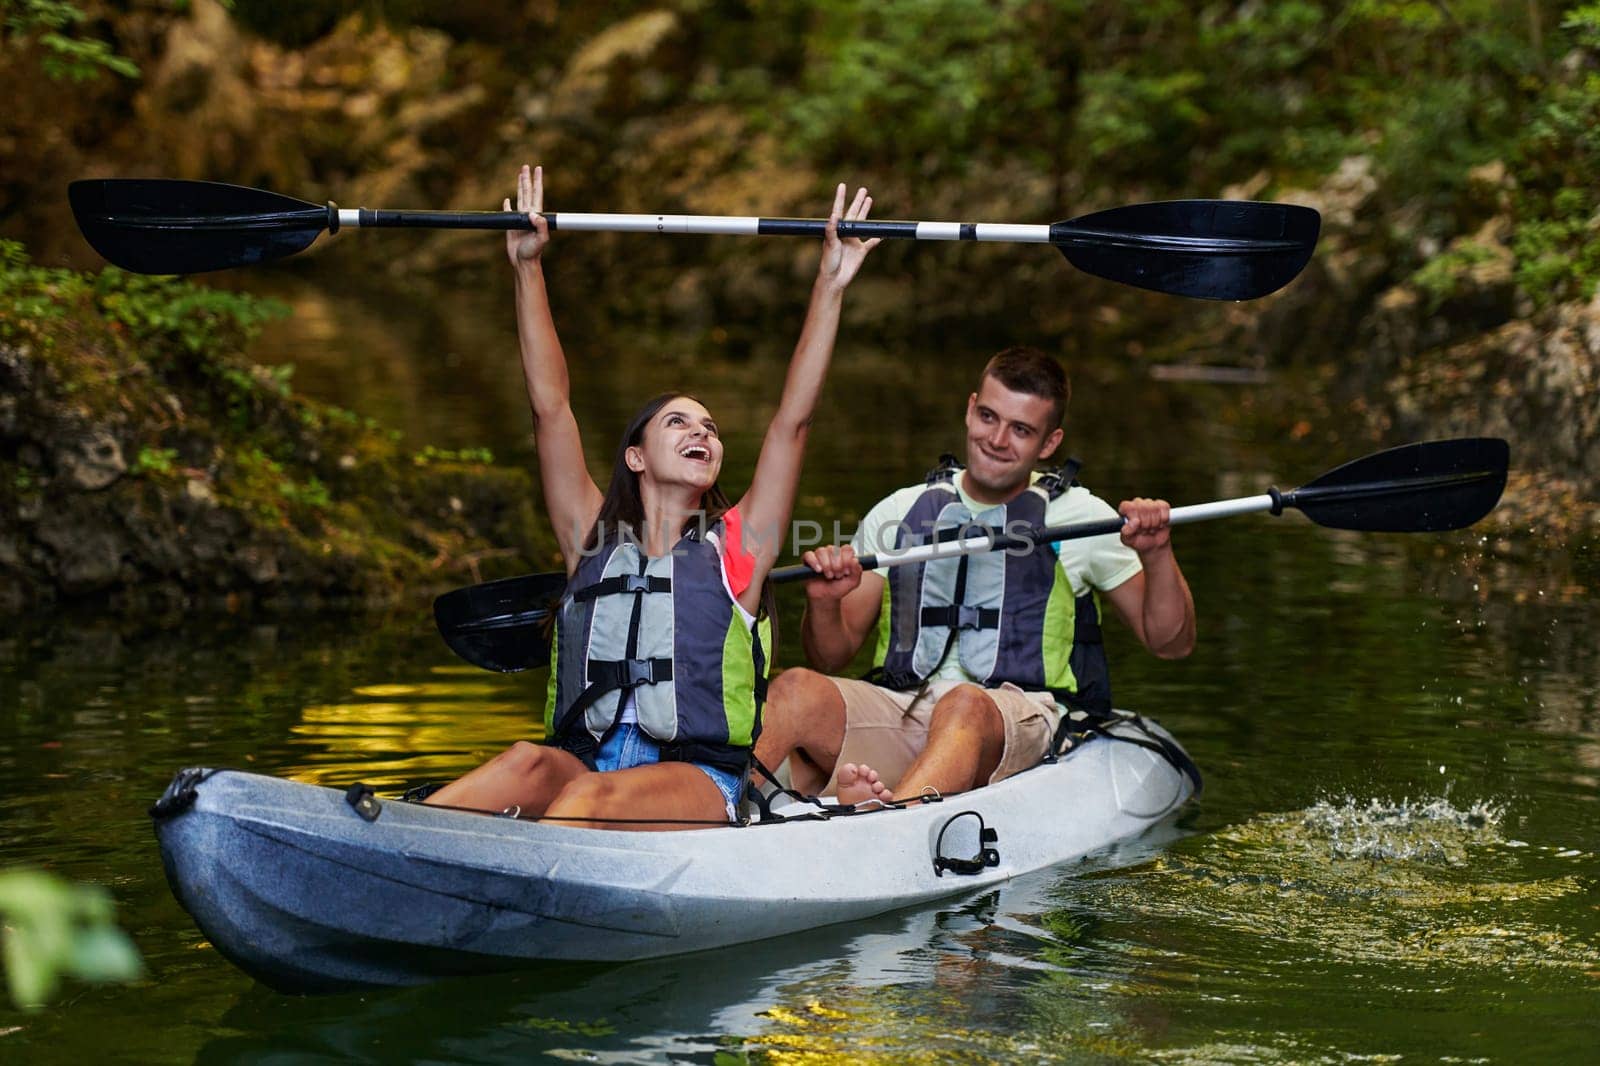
<point>732,225</point>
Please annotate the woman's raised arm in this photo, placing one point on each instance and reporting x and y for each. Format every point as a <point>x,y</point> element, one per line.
<point>766,508</point>
<point>570,494</point>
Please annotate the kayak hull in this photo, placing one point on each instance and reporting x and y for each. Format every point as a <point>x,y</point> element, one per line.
<point>296,887</point>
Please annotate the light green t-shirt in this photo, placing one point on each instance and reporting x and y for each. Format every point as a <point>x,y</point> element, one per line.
<point>1100,563</point>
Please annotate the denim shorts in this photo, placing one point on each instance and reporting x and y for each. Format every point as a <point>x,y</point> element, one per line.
<point>628,745</point>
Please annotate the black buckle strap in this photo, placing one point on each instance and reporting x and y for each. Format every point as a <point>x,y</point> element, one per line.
<point>1055,482</point>
<point>945,472</point>
<point>900,681</point>
<point>961,616</point>
<point>623,584</point>
<point>609,675</point>
<point>612,674</point>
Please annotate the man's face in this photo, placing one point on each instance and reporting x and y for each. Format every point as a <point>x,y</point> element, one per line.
<point>1007,433</point>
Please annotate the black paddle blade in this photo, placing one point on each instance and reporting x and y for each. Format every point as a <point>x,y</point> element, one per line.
<point>166,226</point>
<point>501,625</point>
<point>1210,249</point>
<point>1415,488</point>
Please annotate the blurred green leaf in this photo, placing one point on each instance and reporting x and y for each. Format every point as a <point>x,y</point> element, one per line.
<point>53,928</point>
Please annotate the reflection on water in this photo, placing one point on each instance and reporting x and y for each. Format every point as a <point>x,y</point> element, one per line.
<point>1304,912</point>
<point>383,727</point>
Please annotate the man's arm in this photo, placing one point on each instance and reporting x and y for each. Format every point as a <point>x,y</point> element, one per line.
<point>1156,603</point>
<point>841,608</point>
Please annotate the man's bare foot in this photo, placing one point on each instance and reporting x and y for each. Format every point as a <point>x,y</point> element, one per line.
<point>857,784</point>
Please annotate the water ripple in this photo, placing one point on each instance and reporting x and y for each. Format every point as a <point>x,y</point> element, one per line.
<point>1409,883</point>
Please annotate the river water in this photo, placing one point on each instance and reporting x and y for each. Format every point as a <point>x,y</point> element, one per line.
<point>1394,857</point>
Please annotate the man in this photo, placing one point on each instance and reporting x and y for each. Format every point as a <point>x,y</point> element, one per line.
<point>978,656</point>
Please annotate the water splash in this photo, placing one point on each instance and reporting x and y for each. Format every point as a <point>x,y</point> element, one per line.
<point>1430,831</point>
<point>1362,881</point>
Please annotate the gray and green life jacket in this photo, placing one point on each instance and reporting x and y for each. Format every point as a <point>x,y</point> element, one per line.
<point>1011,616</point>
<point>667,631</point>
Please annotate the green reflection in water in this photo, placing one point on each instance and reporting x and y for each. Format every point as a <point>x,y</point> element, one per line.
<point>396,732</point>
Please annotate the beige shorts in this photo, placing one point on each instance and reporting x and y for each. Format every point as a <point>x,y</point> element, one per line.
<point>887,730</point>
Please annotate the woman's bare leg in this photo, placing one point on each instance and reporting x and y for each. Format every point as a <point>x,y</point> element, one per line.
<point>676,791</point>
<point>525,775</point>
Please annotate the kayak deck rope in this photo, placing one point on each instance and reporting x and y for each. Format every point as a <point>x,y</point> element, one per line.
<point>822,812</point>
<point>816,809</point>
<point>1080,727</point>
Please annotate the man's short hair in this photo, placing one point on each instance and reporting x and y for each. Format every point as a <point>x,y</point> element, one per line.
<point>1028,370</point>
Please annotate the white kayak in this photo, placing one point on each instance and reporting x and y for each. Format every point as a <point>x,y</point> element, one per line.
<point>309,888</point>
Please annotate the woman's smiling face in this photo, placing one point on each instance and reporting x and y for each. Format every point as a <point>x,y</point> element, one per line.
<point>680,446</point>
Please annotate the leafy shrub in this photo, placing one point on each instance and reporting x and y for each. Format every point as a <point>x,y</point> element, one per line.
<point>192,317</point>
<point>163,312</point>
<point>1557,209</point>
<point>68,55</point>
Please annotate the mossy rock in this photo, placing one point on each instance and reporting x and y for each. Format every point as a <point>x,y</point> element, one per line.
<point>145,459</point>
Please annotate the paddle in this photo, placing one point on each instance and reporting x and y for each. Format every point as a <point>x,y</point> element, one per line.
<point>1415,488</point>
<point>1212,249</point>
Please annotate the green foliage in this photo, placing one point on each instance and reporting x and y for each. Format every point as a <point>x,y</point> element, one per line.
<point>1583,22</point>
<point>430,455</point>
<point>68,55</point>
<point>1432,136</point>
<point>52,929</point>
<point>313,493</point>
<point>262,484</point>
<point>921,79</point>
<point>158,462</point>
<point>158,312</point>
<point>1440,277</point>
<point>1558,258</point>
<point>1557,208</point>
<point>192,317</point>
<point>1131,117</point>
<point>32,296</point>
<point>1164,93</point>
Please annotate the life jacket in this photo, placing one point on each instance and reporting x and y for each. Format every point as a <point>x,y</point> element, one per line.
<point>1010,615</point>
<point>667,631</point>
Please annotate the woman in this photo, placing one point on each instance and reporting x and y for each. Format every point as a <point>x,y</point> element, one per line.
<point>655,688</point>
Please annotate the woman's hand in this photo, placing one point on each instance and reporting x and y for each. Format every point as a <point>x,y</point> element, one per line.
<point>842,258</point>
<point>525,246</point>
